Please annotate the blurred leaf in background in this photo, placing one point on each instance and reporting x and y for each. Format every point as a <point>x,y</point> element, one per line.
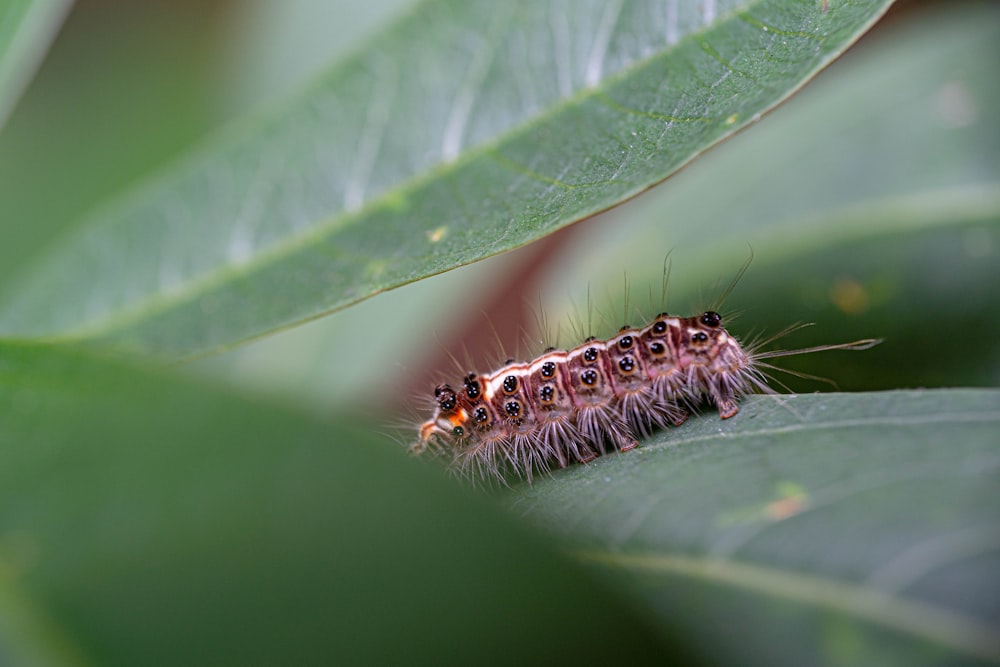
<point>150,521</point>
<point>124,88</point>
<point>26,29</point>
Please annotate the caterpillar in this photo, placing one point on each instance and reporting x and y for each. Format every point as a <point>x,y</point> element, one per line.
<point>571,406</point>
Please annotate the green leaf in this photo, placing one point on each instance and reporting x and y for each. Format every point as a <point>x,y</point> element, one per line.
<point>897,137</point>
<point>145,520</point>
<point>26,27</point>
<point>464,130</point>
<point>863,526</point>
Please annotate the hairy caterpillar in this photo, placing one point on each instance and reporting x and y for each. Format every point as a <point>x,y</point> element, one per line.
<point>573,405</point>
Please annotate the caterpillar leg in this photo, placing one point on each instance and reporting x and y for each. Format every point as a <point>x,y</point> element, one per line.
<point>727,408</point>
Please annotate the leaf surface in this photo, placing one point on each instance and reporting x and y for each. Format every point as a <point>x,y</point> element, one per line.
<point>464,130</point>
<point>146,520</point>
<point>863,526</point>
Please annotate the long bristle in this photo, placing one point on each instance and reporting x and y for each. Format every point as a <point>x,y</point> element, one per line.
<point>665,282</point>
<point>759,341</point>
<point>764,385</point>
<point>863,344</point>
<point>739,275</point>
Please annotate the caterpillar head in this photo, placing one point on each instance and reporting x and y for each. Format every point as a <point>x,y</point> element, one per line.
<point>447,425</point>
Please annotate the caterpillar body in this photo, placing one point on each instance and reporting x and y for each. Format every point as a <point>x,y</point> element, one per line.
<point>573,405</point>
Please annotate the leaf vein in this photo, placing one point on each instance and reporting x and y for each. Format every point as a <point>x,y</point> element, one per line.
<point>955,630</point>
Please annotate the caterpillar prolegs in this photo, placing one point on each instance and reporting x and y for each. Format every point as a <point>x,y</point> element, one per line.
<point>573,405</point>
